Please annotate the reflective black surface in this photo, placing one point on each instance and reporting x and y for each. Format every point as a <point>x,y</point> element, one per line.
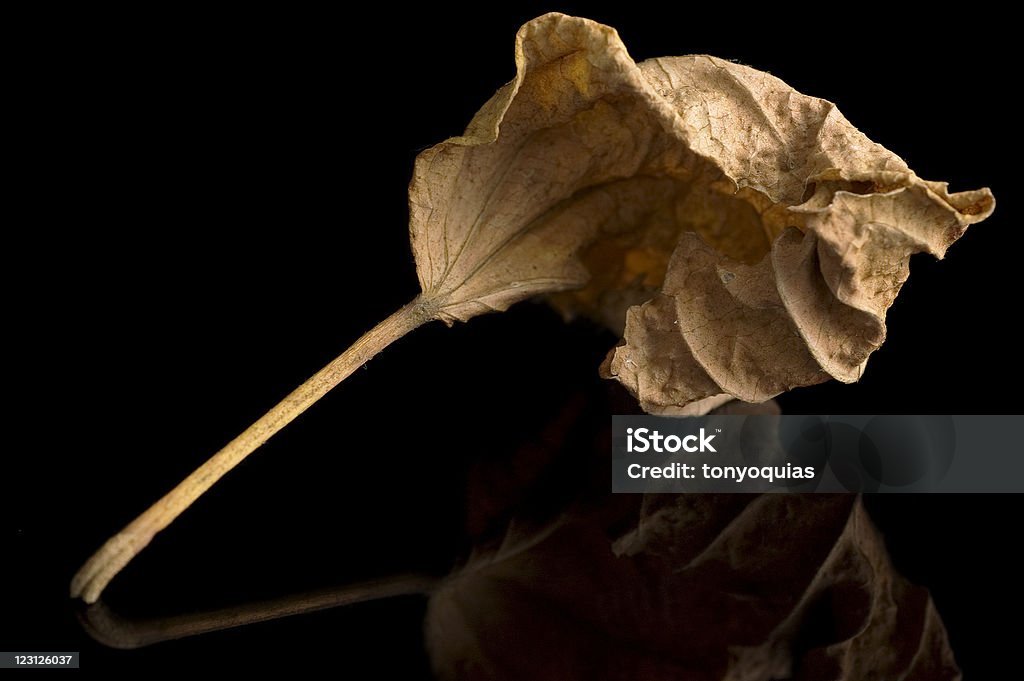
<point>210,254</point>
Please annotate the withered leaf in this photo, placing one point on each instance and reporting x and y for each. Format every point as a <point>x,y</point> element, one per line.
<point>745,237</point>
<point>725,587</point>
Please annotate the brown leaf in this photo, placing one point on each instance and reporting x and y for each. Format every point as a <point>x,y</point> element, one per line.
<point>745,236</point>
<point>729,587</point>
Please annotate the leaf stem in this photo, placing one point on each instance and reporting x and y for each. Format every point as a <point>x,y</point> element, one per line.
<point>118,551</point>
<point>113,630</point>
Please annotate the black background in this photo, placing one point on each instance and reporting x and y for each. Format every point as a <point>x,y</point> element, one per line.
<point>196,252</point>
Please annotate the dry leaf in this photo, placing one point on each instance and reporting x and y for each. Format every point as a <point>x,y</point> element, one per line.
<point>747,236</point>
<point>724,587</point>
